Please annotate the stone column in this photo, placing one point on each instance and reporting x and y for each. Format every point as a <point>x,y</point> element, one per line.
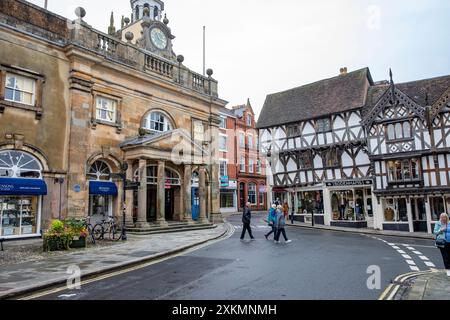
<point>203,195</point>
<point>187,187</point>
<point>161,195</point>
<point>429,216</point>
<point>129,197</point>
<point>409,214</point>
<point>142,195</point>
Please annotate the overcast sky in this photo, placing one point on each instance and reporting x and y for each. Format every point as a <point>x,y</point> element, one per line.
<point>257,47</point>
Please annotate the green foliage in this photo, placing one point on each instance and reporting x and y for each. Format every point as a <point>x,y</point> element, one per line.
<point>57,226</point>
<point>61,234</point>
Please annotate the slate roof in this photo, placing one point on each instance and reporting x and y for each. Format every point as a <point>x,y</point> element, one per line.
<point>227,112</point>
<point>416,90</point>
<point>318,99</point>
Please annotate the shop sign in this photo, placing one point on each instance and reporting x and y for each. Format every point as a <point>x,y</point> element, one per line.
<point>349,183</point>
<point>224,181</point>
<point>232,184</point>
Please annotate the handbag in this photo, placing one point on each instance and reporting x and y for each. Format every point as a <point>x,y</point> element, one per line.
<point>440,243</point>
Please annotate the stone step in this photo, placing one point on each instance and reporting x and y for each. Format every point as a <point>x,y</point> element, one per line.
<point>172,227</point>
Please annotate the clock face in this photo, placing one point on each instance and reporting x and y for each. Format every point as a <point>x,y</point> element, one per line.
<point>159,38</point>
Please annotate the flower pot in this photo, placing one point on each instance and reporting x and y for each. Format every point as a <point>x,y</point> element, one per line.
<point>78,242</point>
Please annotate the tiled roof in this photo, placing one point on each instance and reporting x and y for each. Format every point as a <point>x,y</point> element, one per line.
<point>315,100</point>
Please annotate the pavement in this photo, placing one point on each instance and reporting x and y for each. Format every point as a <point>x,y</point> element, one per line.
<point>428,285</point>
<point>22,278</point>
<point>317,265</point>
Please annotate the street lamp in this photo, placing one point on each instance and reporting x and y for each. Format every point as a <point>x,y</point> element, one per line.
<point>124,199</point>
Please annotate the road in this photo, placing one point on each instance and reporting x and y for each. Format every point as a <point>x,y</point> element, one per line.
<point>316,265</point>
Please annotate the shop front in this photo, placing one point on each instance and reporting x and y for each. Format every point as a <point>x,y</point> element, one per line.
<point>351,203</point>
<point>310,205</point>
<point>21,191</point>
<point>228,195</point>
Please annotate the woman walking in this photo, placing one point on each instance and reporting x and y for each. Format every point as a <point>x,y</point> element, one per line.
<point>272,221</point>
<point>442,233</point>
<point>281,223</point>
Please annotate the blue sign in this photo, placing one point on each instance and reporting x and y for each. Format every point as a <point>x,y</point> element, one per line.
<point>22,187</point>
<point>224,181</point>
<point>77,188</point>
<point>99,188</point>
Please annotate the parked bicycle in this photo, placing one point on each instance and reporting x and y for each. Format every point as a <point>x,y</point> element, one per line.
<point>108,226</point>
<point>90,229</point>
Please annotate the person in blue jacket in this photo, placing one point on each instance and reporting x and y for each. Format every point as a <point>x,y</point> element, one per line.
<point>442,233</point>
<point>272,221</point>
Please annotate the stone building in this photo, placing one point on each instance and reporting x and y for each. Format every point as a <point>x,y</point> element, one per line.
<point>79,106</point>
<point>347,151</point>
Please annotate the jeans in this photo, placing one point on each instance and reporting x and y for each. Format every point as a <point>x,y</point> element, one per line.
<point>278,234</point>
<point>247,228</point>
<point>446,255</point>
<point>274,231</point>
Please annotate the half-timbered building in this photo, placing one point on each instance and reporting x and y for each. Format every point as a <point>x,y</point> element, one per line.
<point>349,152</point>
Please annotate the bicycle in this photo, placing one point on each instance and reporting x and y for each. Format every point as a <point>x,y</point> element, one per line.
<point>109,226</point>
<point>87,224</point>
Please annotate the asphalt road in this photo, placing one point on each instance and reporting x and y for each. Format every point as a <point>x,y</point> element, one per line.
<point>316,265</point>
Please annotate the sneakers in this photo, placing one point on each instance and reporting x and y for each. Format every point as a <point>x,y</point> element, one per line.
<point>276,242</point>
<point>253,239</point>
<point>448,273</point>
<point>289,241</point>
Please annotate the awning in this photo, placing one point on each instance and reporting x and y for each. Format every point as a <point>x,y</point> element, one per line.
<point>99,188</point>
<point>22,187</point>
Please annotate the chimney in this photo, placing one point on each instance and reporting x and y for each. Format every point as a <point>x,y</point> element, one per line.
<point>343,71</point>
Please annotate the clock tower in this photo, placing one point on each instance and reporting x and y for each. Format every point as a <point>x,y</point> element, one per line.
<point>149,28</point>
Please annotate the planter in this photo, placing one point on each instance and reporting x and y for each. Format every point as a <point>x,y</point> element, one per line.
<point>78,243</point>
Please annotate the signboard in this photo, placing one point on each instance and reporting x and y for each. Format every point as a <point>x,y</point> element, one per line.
<point>224,182</point>
<point>232,184</point>
<point>349,183</point>
<point>132,185</point>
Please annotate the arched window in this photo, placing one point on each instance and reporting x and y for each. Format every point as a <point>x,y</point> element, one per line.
<point>398,131</point>
<point>406,130</point>
<point>18,164</point>
<point>157,121</point>
<point>391,132</point>
<point>99,171</point>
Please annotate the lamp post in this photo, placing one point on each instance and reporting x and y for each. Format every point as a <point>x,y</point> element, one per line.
<point>124,199</point>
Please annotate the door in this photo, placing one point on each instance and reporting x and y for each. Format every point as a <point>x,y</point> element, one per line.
<point>169,204</point>
<point>151,203</point>
<point>369,212</point>
<point>242,200</point>
<point>195,204</point>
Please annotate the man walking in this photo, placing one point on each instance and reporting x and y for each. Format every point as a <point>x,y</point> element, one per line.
<point>247,220</point>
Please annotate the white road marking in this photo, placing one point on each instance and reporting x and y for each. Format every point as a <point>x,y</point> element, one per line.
<point>410,262</point>
<point>395,247</point>
<point>430,264</point>
<point>67,295</point>
<point>390,244</point>
<point>413,268</point>
<point>401,251</point>
<point>406,256</point>
<point>418,253</point>
<point>423,258</point>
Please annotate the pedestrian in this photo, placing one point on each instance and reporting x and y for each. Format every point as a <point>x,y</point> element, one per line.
<point>442,233</point>
<point>286,210</point>
<point>272,220</point>
<point>247,220</point>
<point>281,224</point>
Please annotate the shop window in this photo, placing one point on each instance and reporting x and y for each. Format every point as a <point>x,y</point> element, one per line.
<point>437,207</point>
<point>399,131</point>
<point>310,202</point>
<point>106,109</point>
<point>323,125</point>
<point>157,121</point>
<point>252,193</point>
<point>227,198</point>
<point>396,210</point>
<point>403,170</point>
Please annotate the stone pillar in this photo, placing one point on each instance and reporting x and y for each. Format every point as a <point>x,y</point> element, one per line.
<point>327,208</point>
<point>129,197</point>
<point>142,195</point>
<point>187,187</point>
<point>203,195</point>
<point>161,195</point>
